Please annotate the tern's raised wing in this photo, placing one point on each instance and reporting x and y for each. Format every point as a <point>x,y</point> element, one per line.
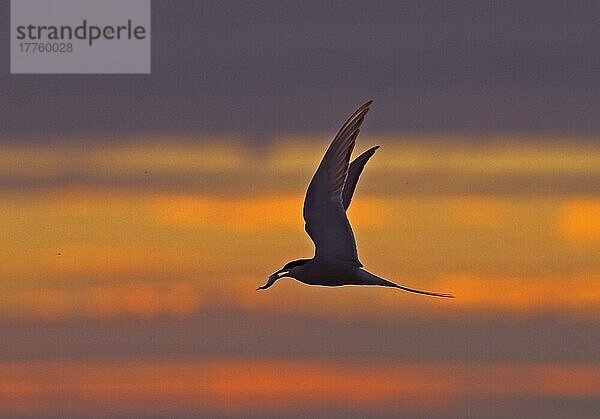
<point>324,212</point>
<point>354,171</point>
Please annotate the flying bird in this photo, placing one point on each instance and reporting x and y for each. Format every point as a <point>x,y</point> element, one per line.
<point>328,197</point>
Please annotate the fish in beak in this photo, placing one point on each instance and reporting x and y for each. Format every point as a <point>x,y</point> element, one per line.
<point>273,278</point>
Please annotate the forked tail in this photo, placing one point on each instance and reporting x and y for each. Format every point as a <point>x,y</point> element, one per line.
<point>434,294</point>
<point>370,279</point>
<point>387,283</point>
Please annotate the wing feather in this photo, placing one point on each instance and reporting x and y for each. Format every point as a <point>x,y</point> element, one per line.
<point>324,211</point>
<point>354,171</point>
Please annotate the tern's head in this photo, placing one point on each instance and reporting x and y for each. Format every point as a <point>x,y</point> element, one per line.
<point>288,270</point>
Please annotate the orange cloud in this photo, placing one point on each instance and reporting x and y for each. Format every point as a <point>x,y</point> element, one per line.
<point>578,295</point>
<point>249,214</point>
<point>42,303</point>
<point>117,258</point>
<point>243,386</point>
<point>119,232</point>
<point>579,220</point>
<point>522,294</point>
<point>243,214</point>
<point>103,301</point>
<point>480,210</point>
<point>141,300</point>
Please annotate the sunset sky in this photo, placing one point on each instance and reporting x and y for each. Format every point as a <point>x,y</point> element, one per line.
<point>138,214</point>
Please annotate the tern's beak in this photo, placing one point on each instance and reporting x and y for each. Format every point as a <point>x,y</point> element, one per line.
<point>273,278</point>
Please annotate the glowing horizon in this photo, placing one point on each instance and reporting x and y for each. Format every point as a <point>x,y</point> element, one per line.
<point>495,251</point>
<point>234,387</point>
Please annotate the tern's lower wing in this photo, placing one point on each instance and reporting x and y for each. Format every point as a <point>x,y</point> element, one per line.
<point>330,230</point>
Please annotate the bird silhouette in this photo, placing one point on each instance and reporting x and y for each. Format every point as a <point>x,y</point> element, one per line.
<point>328,197</point>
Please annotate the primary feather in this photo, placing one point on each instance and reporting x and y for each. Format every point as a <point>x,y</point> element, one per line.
<point>324,212</point>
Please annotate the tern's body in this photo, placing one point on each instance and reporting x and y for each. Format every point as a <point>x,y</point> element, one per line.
<point>333,274</point>
<point>328,196</point>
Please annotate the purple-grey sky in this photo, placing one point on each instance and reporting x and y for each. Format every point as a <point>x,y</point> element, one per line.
<point>259,69</point>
